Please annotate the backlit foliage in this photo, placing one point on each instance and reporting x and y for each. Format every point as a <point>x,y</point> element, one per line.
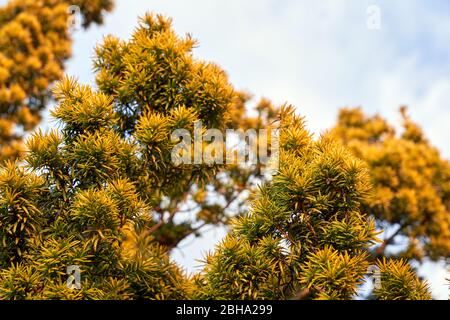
<point>398,282</point>
<point>305,235</point>
<point>101,192</point>
<point>411,182</point>
<point>98,195</point>
<point>155,74</point>
<point>35,42</point>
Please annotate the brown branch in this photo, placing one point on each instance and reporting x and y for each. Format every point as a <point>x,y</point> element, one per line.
<point>380,250</point>
<point>301,294</point>
<point>155,227</point>
<point>185,235</point>
<point>285,235</point>
<point>307,292</point>
<point>232,200</point>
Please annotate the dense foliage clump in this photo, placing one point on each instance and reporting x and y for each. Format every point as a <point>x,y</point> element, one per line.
<point>35,43</point>
<point>411,182</point>
<point>305,235</point>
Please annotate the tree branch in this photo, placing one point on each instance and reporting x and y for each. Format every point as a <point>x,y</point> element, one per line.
<point>380,250</point>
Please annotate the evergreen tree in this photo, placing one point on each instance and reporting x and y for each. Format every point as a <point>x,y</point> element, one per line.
<point>103,194</point>
<point>305,235</point>
<point>34,44</point>
<point>411,183</point>
<point>155,72</point>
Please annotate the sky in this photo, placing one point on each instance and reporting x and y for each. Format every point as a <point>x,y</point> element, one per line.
<point>318,56</point>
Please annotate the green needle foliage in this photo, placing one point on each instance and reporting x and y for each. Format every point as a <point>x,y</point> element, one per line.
<point>398,282</point>
<point>35,42</point>
<point>156,71</point>
<point>101,192</point>
<point>73,202</point>
<point>305,235</point>
<point>155,74</point>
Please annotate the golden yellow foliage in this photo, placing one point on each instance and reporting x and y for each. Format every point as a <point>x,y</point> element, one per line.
<point>411,181</point>
<point>35,42</point>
